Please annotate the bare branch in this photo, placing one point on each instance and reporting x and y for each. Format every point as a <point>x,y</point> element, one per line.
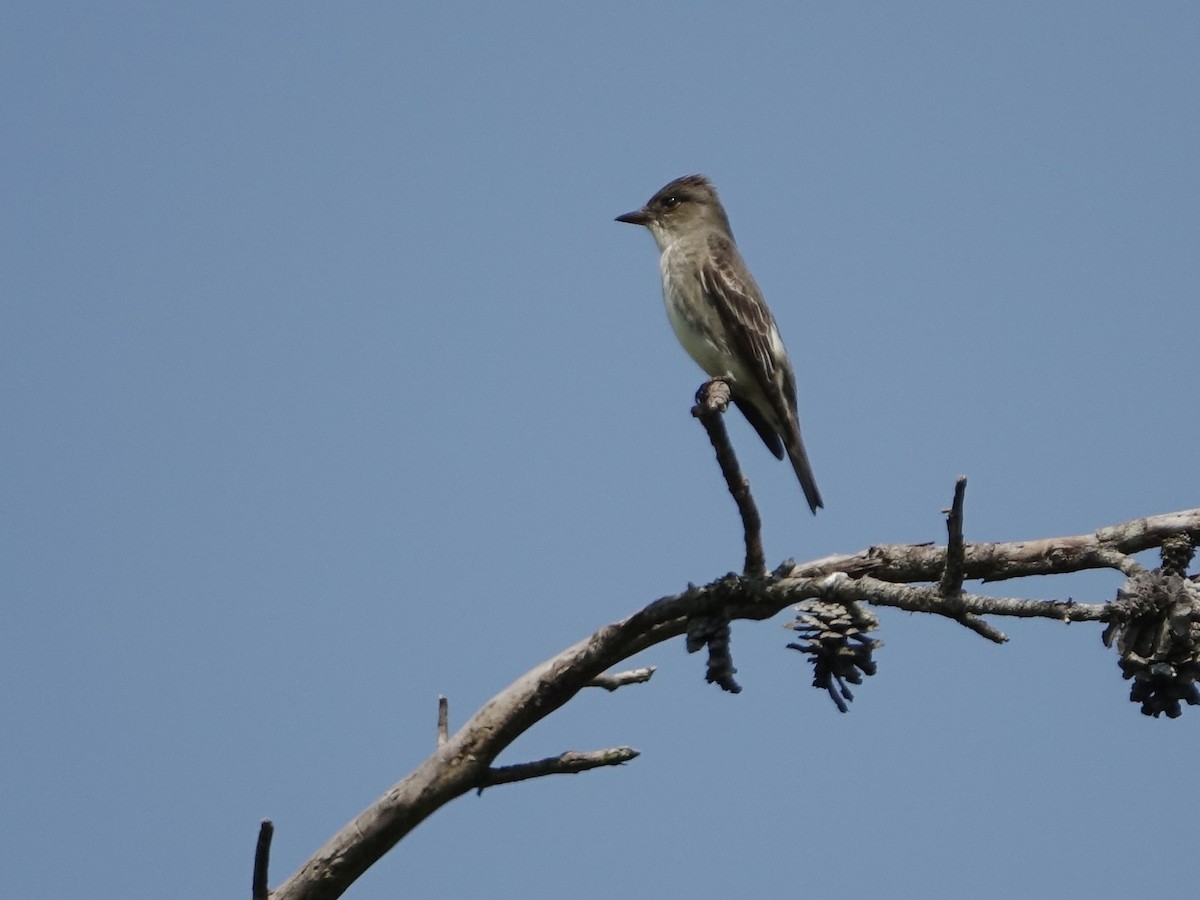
<point>882,575</point>
<point>713,631</point>
<point>951,584</point>
<point>262,861</point>
<point>620,679</point>
<point>443,720</point>
<point>711,402</point>
<point>570,763</point>
<point>962,607</point>
<point>1106,548</point>
<point>952,575</point>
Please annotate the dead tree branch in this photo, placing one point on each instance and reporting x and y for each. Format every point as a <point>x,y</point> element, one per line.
<point>570,763</point>
<point>262,861</point>
<point>903,576</point>
<point>620,679</point>
<point>712,399</point>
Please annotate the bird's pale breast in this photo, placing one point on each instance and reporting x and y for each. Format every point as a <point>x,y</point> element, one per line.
<point>696,324</point>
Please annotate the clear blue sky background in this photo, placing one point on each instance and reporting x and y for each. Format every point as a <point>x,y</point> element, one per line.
<point>328,384</point>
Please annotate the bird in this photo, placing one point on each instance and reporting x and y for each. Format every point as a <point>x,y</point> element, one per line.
<point>720,317</point>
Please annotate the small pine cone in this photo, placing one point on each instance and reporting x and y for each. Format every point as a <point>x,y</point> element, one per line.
<point>1155,625</point>
<point>714,633</point>
<point>836,642</point>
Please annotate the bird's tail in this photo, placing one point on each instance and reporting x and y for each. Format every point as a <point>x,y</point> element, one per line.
<point>795,451</point>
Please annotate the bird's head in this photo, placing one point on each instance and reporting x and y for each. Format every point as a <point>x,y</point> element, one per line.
<point>687,205</point>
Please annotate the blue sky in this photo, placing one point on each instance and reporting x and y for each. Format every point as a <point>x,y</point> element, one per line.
<point>330,385</point>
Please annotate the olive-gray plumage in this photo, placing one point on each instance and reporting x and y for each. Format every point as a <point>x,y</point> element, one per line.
<point>720,317</point>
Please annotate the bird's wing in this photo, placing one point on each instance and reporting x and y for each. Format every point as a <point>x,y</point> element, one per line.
<point>750,328</point>
<point>748,322</point>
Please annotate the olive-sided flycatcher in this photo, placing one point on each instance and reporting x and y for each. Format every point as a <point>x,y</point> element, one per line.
<point>720,317</point>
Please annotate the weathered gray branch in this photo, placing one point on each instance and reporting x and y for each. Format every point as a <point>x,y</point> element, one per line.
<point>570,763</point>
<point>950,587</point>
<point>712,399</point>
<point>443,721</point>
<point>882,575</point>
<point>612,681</point>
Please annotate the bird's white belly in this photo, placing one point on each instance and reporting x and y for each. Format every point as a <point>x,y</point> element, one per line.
<point>696,341</point>
<point>698,329</point>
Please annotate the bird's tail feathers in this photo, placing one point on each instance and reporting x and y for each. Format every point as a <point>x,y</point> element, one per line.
<point>799,458</point>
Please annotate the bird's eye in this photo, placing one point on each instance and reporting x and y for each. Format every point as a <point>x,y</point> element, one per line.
<point>671,202</point>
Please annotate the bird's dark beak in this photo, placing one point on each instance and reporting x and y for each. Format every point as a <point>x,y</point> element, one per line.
<point>637,217</point>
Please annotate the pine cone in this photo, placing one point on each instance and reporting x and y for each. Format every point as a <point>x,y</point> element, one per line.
<point>1155,625</point>
<point>835,639</point>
